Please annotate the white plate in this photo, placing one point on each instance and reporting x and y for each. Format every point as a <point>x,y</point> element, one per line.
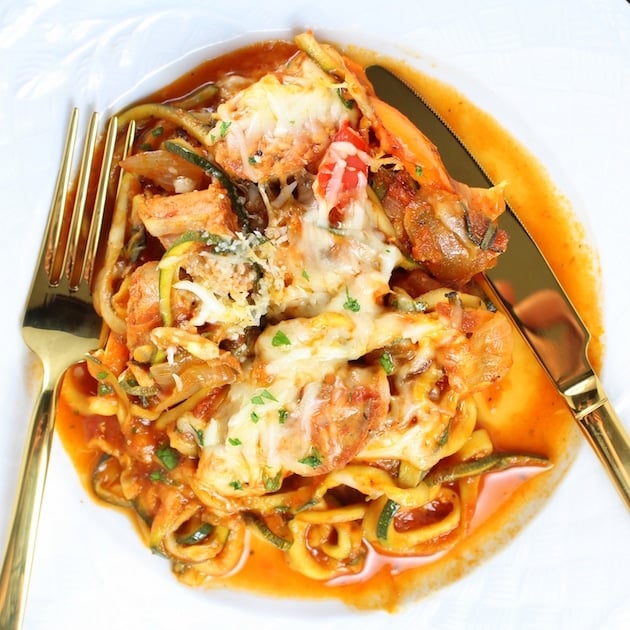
<point>557,75</point>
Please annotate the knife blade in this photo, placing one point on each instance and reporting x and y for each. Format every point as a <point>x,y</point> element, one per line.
<point>560,345</point>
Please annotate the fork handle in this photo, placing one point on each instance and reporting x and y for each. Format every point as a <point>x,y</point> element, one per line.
<point>608,437</point>
<point>18,558</point>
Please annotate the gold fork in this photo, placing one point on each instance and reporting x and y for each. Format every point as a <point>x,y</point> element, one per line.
<point>60,326</point>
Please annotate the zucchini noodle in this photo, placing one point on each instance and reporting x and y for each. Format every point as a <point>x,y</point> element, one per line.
<point>295,338</point>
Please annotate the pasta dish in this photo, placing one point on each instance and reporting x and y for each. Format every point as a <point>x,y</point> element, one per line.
<point>294,338</point>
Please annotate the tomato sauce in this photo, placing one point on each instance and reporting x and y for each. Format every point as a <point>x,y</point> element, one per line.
<point>522,413</point>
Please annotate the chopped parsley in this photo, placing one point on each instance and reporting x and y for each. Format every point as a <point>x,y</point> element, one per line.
<point>280,339</point>
<point>260,399</point>
<point>351,304</point>
<point>265,395</point>
<point>234,441</point>
<point>104,389</point>
<point>168,456</point>
<point>418,170</point>
<point>237,485</point>
<point>387,363</point>
<point>313,459</point>
<point>283,414</point>
<point>157,475</point>
<point>223,127</point>
<point>272,483</point>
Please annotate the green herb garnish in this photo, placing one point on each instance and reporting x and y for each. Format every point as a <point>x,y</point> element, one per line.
<point>260,399</point>
<point>157,475</point>
<point>272,483</point>
<point>280,339</point>
<point>168,456</point>
<point>104,389</point>
<point>313,459</point>
<point>351,304</point>
<point>387,363</point>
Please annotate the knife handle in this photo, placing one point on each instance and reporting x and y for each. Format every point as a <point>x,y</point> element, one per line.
<point>607,435</point>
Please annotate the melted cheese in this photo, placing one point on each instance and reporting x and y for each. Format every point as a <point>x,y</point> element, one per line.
<point>307,400</point>
<point>331,315</point>
<point>235,286</point>
<point>280,123</point>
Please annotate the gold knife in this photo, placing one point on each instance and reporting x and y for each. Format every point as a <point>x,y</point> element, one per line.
<point>560,349</point>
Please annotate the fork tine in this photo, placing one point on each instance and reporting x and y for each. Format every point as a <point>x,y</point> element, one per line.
<point>50,245</point>
<point>91,249</point>
<point>74,235</point>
